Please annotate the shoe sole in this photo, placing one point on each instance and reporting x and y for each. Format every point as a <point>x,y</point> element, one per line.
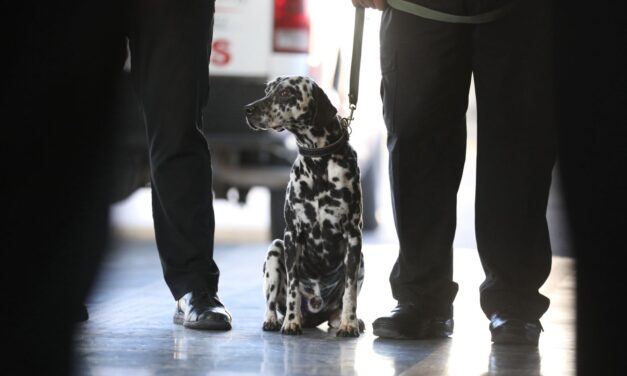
<point>389,330</point>
<point>202,325</point>
<point>507,337</point>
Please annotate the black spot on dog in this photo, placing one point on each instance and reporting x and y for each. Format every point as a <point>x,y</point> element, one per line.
<point>316,232</point>
<point>317,132</point>
<point>306,192</point>
<point>297,172</point>
<point>329,201</point>
<point>310,212</point>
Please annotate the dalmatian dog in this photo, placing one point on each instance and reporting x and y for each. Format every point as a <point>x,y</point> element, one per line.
<point>315,272</point>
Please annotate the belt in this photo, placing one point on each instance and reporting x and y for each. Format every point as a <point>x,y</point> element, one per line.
<point>420,11</point>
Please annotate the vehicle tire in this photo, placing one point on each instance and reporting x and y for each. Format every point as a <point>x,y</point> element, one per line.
<point>130,171</point>
<point>129,164</point>
<point>277,218</point>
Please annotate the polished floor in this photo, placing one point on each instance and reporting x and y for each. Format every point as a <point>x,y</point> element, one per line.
<point>130,330</point>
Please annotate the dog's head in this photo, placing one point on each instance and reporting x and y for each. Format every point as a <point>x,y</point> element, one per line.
<point>294,103</point>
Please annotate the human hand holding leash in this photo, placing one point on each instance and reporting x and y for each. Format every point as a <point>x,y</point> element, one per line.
<point>377,4</point>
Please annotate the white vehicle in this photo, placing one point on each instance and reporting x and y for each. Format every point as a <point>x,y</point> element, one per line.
<point>255,41</point>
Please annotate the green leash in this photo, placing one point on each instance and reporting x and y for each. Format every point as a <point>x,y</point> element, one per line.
<point>353,93</point>
<point>430,14</point>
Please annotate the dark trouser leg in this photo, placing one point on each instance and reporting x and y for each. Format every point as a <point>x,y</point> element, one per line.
<point>170,46</point>
<point>516,146</point>
<point>426,78</point>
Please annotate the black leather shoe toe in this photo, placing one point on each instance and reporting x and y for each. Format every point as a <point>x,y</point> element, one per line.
<point>405,322</point>
<point>202,310</point>
<point>510,330</point>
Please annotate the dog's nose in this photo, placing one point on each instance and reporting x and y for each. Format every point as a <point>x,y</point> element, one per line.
<point>249,109</point>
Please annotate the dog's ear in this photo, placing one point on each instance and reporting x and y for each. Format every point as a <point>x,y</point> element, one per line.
<point>324,109</point>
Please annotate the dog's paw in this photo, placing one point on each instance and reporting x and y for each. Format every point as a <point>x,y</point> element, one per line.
<point>271,325</point>
<point>348,330</point>
<point>291,328</point>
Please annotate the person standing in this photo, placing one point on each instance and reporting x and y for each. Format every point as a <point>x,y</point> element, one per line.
<point>593,159</point>
<point>170,44</point>
<point>426,67</point>
<point>55,103</point>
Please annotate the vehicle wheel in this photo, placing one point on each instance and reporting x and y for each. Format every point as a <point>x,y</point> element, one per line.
<point>277,219</point>
<point>129,164</point>
<point>130,171</point>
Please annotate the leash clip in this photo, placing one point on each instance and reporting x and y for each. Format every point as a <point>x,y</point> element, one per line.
<point>346,121</point>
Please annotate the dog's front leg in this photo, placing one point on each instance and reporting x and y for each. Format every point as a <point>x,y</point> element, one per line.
<point>350,325</point>
<point>274,285</point>
<point>292,320</point>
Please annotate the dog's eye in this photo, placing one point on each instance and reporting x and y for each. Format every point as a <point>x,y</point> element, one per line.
<point>284,93</point>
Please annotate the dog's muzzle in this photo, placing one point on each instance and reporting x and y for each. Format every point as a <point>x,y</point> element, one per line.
<point>256,115</point>
<point>252,116</point>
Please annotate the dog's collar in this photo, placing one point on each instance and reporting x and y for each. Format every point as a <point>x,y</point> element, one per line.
<point>325,150</point>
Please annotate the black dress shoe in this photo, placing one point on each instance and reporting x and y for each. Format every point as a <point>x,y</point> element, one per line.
<point>405,322</point>
<point>202,310</point>
<point>511,330</point>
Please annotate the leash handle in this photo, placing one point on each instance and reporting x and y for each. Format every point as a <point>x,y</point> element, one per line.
<point>356,59</point>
